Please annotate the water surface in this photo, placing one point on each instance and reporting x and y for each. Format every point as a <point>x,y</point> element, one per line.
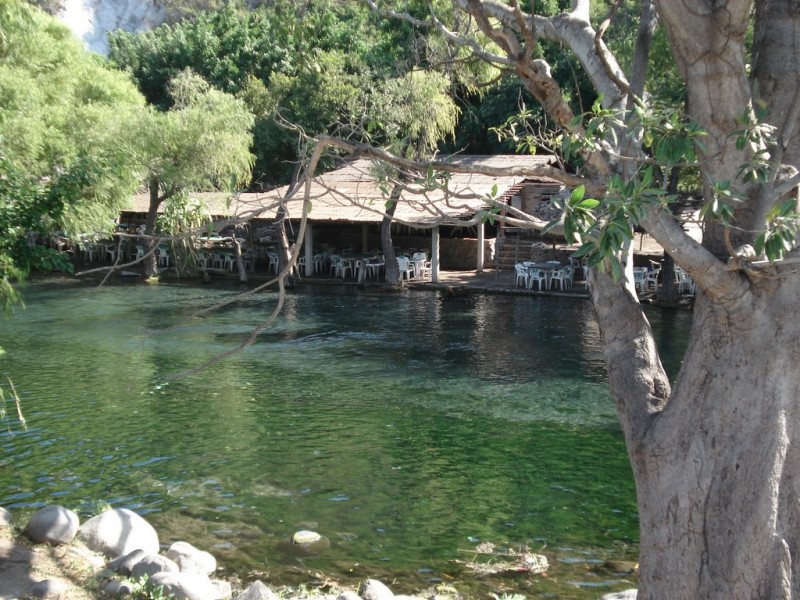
<point>406,428</point>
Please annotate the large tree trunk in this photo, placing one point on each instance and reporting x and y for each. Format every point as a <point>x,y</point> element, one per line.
<point>776,70</point>
<point>389,257</point>
<point>714,458</point>
<point>150,262</point>
<point>717,471</point>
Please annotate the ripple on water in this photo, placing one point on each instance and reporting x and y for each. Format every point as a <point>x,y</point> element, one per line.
<point>407,427</point>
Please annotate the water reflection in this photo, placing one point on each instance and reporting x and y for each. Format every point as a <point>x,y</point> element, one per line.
<point>402,426</point>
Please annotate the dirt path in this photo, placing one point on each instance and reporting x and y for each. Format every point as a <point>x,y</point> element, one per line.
<point>23,563</point>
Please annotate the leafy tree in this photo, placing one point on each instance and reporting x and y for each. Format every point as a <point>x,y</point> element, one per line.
<point>62,112</point>
<point>307,64</point>
<point>411,114</point>
<point>202,143</point>
<point>713,454</point>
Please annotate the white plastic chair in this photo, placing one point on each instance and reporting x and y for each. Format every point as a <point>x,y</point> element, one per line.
<point>539,277</point>
<point>230,261</point>
<point>651,279</point>
<point>404,264</point>
<point>332,258</point>
<point>319,261</point>
<point>522,275</point>
<point>164,256</point>
<point>273,262</point>
<point>559,275</point>
<point>685,283</point>
<point>639,274</point>
<point>569,271</point>
<point>426,270</point>
<point>342,266</point>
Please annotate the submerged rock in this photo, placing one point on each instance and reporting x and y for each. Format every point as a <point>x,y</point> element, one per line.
<point>305,542</point>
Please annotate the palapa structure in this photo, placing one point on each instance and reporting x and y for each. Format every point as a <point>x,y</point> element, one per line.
<point>354,195</point>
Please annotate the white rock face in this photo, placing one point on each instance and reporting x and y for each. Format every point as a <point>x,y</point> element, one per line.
<point>91,20</point>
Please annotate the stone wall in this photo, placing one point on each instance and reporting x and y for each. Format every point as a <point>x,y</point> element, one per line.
<point>461,254</point>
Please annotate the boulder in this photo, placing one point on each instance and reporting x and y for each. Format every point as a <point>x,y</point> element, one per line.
<point>223,588</point>
<point>5,518</point>
<point>116,588</point>
<point>306,537</point>
<point>191,560</point>
<point>185,586</point>
<point>124,564</point>
<point>119,531</point>
<point>53,525</point>
<point>372,589</point>
<point>258,591</point>
<point>348,595</point>
<point>626,595</point>
<point>151,564</point>
<point>49,589</point>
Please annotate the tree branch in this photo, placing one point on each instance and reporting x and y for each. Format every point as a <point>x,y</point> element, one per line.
<point>641,386</point>
<point>712,276</point>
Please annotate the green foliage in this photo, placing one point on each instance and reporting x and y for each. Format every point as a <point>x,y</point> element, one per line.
<point>31,205</point>
<point>142,590</point>
<point>61,107</point>
<point>780,235</point>
<point>183,218</point>
<point>413,113</point>
<point>201,144</point>
<point>313,60</point>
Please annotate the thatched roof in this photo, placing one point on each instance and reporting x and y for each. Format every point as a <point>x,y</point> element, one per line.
<point>353,194</point>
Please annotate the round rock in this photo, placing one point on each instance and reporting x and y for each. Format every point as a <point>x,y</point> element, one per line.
<point>119,531</point>
<point>306,537</point>
<point>372,589</point>
<point>124,564</point>
<point>53,525</point>
<point>191,560</point>
<point>626,595</point>
<point>6,519</point>
<point>258,591</point>
<point>49,589</point>
<point>304,543</point>
<point>185,586</point>
<point>152,564</point>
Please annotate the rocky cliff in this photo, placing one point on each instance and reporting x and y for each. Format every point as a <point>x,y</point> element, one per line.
<point>91,20</point>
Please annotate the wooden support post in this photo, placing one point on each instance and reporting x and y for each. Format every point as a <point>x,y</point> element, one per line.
<point>308,247</point>
<point>481,234</point>
<point>435,254</point>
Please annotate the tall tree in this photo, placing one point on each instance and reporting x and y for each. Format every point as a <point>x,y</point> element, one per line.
<point>303,63</point>
<point>62,114</point>
<point>202,143</point>
<point>713,455</point>
<point>412,115</point>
